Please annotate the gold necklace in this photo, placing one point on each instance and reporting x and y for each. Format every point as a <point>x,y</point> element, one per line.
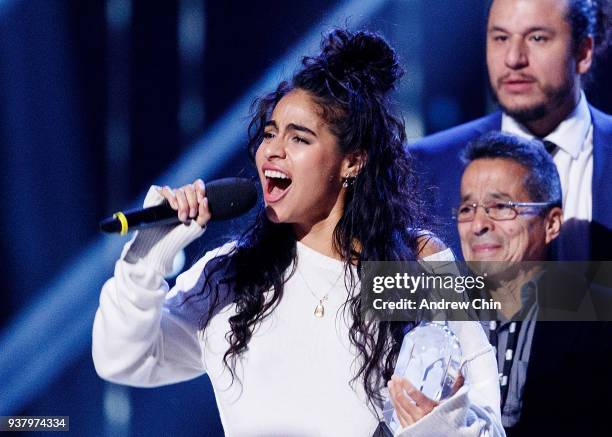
<point>319,310</point>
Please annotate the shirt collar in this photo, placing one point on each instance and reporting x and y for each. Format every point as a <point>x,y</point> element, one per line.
<point>569,135</point>
<point>529,301</point>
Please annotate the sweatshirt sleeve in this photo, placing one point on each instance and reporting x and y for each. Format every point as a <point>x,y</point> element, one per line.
<point>142,335</point>
<point>457,416</point>
<point>474,411</point>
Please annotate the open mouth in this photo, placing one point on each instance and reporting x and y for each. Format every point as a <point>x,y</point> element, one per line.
<point>277,184</point>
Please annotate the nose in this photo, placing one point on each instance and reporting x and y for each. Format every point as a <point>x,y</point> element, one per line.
<point>274,148</point>
<point>516,54</point>
<point>482,223</point>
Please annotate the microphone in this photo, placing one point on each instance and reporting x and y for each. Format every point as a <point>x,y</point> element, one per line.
<point>227,198</point>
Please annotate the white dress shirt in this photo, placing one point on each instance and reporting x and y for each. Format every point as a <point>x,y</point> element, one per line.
<point>574,158</point>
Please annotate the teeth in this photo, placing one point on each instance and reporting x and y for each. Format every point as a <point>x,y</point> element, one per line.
<point>275,174</point>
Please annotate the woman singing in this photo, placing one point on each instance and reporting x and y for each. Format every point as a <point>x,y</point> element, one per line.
<point>274,316</point>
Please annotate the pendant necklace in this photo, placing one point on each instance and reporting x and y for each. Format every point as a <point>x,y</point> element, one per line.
<point>319,310</point>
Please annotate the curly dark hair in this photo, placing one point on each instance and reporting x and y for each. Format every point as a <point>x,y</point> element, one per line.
<point>350,81</point>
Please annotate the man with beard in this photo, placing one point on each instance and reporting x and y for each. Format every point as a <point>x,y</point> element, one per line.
<point>554,373</point>
<point>538,53</point>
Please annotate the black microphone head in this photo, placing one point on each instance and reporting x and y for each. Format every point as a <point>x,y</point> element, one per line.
<point>230,197</point>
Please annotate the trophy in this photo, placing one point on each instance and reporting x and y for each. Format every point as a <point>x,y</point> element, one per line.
<point>430,358</point>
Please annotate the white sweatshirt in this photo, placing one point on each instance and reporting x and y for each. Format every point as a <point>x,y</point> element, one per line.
<point>294,378</point>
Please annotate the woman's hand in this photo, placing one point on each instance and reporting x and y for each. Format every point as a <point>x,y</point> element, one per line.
<point>409,403</point>
<point>190,201</point>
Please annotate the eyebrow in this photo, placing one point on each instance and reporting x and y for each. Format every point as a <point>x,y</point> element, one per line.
<point>291,126</point>
<point>301,128</point>
<point>495,196</point>
<point>526,32</point>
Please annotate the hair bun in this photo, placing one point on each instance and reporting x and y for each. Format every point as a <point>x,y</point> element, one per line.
<point>361,58</point>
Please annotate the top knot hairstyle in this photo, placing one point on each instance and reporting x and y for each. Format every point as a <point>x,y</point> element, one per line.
<point>350,81</point>
<point>357,61</point>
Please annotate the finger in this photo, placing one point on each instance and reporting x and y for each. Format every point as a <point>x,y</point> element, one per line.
<point>192,200</point>
<point>422,401</point>
<point>183,205</point>
<point>204,214</point>
<point>203,211</point>
<point>458,384</point>
<point>200,187</point>
<point>168,194</point>
<point>402,414</point>
<point>407,404</point>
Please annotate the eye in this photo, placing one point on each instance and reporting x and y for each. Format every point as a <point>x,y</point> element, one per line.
<point>500,38</point>
<point>501,210</point>
<point>501,206</point>
<point>539,38</point>
<point>299,139</point>
<point>465,209</point>
<point>268,135</point>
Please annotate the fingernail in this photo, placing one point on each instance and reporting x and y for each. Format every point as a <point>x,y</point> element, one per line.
<point>192,212</point>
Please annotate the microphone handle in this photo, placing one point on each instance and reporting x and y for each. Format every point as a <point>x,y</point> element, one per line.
<point>158,215</point>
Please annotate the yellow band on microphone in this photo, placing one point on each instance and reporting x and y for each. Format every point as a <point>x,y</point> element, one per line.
<point>123,220</point>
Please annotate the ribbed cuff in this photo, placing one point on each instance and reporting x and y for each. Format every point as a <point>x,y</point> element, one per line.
<point>158,246</point>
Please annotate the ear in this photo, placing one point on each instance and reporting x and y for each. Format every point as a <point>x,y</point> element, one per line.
<point>553,222</point>
<point>584,55</point>
<point>353,163</point>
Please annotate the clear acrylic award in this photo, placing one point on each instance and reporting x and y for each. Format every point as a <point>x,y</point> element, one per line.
<point>430,358</point>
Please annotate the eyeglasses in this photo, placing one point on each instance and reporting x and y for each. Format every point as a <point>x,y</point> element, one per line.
<point>496,211</point>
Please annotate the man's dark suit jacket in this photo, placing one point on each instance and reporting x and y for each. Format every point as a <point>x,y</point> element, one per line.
<point>567,387</point>
<point>567,391</point>
<point>437,161</point>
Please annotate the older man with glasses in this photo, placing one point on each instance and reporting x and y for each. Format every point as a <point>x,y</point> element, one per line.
<point>553,375</point>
